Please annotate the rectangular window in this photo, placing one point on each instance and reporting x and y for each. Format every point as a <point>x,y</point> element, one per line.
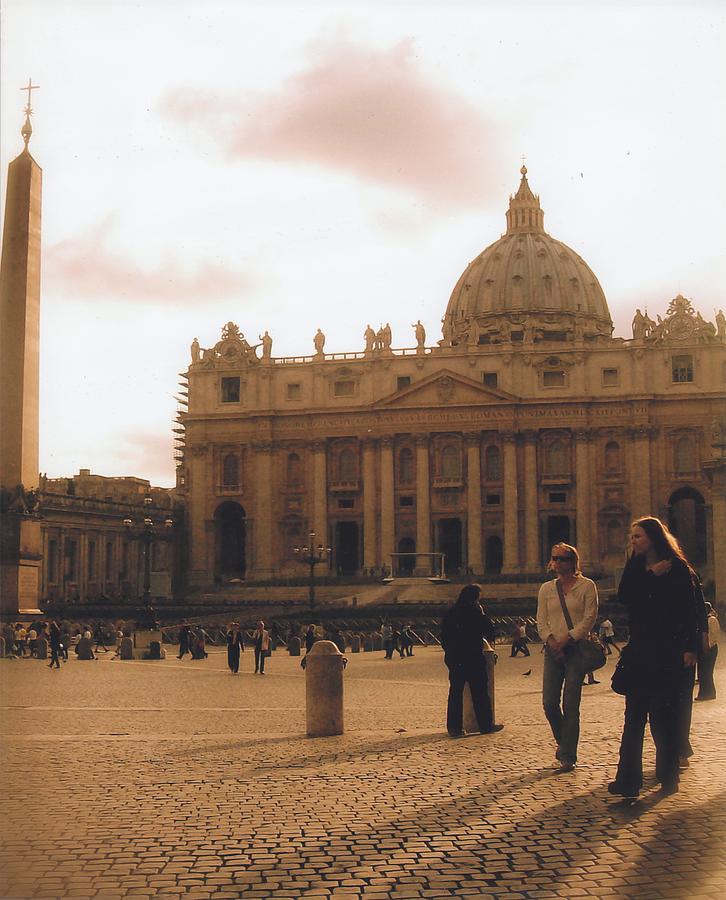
<point>230,390</point>
<point>493,499</point>
<point>553,379</point>
<point>402,382</point>
<point>682,369</point>
<point>490,379</point>
<point>346,503</point>
<point>294,391</point>
<point>610,377</point>
<point>558,497</point>
<point>344,388</point>
<point>406,500</point>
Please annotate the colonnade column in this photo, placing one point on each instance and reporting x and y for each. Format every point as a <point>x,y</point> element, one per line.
<point>369,503</point>
<point>531,505</point>
<point>718,530</point>
<point>423,502</point>
<point>473,502</point>
<point>388,537</point>
<point>263,509</point>
<point>199,488</point>
<point>640,474</point>
<point>510,563</point>
<point>320,492</point>
<point>583,489</point>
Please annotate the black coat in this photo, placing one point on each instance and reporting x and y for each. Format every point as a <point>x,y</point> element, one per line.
<point>664,621</point>
<point>463,629</point>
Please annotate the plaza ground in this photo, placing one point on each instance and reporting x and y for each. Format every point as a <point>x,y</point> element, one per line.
<point>146,779</point>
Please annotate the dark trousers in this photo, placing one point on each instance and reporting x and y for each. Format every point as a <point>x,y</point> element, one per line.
<point>663,711</point>
<point>259,660</point>
<point>54,657</point>
<point>706,665</point>
<point>473,673</point>
<point>519,645</point>
<point>233,657</point>
<point>183,649</point>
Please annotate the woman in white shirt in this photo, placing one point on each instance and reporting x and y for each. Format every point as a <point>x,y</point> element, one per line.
<point>563,669</point>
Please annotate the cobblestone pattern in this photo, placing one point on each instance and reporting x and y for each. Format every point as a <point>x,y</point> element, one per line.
<point>175,778</point>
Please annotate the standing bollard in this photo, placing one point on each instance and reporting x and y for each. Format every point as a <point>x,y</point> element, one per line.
<point>355,643</point>
<point>470,722</point>
<point>324,690</point>
<point>293,646</point>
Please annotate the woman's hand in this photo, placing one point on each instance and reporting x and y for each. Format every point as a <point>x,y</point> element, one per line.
<point>689,659</point>
<point>661,567</point>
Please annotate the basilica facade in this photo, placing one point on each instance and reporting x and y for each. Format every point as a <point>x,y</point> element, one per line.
<point>525,423</point>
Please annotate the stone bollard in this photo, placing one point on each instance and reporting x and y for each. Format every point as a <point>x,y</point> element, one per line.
<point>377,641</point>
<point>324,690</point>
<point>293,646</point>
<point>2,646</point>
<point>367,644</point>
<point>41,648</point>
<point>355,643</point>
<point>126,651</point>
<point>470,722</point>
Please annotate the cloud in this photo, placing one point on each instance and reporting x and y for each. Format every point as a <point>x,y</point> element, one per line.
<point>366,112</point>
<point>87,268</point>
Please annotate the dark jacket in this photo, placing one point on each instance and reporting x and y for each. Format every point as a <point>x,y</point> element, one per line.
<point>463,629</point>
<point>664,621</point>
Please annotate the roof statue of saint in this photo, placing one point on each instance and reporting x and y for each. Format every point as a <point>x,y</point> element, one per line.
<point>527,287</point>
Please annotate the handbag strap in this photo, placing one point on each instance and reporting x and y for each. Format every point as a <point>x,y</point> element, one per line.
<point>565,611</point>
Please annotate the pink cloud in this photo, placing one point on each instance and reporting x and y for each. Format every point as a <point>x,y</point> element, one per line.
<point>371,113</point>
<point>86,266</point>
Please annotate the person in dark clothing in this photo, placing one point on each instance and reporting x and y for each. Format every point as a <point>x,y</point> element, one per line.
<point>463,630</point>
<point>54,639</point>
<point>657,587</point>
<point>184,641</point>
<point>309,638</point>
<point>99,638</point>
<point>235,644</point>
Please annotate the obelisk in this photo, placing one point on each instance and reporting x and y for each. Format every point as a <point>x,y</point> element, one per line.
<point>20,545</point>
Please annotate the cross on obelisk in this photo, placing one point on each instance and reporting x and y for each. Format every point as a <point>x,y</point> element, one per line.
<point>27,129</point>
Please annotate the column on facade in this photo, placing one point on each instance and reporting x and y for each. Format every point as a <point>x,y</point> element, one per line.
<point>369,504</point>
<point>583,492</point>
<point>640,484</point>
<point>388,527</point>
<point>718,530</point>
<point>473,502</point>
<point>199,487</point>
<point>263,508</point>
<point>423,502</point>
<point>510,562</point>
<point>531,504</point>
<point>320,492</point>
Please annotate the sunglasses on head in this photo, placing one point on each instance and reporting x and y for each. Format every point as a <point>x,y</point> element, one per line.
<point>562,558</point>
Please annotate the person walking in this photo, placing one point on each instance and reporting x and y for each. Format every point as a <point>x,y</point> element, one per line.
<point>657,587</point>
<point>99,638</point>
<point>407,640</point>
<point>261,638</point>
<point>519,639</point>
<point>54,640</point>
<point>235,644</point>
<point>309,639</point>
<point>606,635</point>
<point>184,641</point>
<point>464,629</point>
<point>566,612</point>
<point>387,638</point>
<point>707,657</point>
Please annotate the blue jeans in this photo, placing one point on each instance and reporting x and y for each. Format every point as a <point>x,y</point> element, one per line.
<point>561,692</point>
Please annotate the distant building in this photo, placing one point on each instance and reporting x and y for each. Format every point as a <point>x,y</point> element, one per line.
<point>89,554</point>
<point>527,423</point>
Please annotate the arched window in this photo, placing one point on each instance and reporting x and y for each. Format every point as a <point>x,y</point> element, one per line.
<point>405,466</point>
<point>556,458</point>
<point>347,469</point>
<point>294,474</point>
<point>615,537</point>
<point>492,464</point>
<point>684,455</point>
<point>230,471</point>
<point>450,461</point>
<point>612,457</point>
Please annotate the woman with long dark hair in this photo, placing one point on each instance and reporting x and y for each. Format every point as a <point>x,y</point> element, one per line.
<point>657,587</point>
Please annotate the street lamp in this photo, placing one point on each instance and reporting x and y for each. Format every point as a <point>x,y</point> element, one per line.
<point>146,535</point>
<point>312,555</point>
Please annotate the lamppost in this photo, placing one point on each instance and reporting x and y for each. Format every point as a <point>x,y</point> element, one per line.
<point>146,536</point>
<point>312,555</point>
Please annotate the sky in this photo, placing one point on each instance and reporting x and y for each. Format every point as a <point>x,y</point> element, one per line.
<point>291,166</point>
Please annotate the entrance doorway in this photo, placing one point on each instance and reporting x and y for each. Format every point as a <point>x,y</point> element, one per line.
<point>449,541</point>
<point>493,555</point>
<point>405,564</point>
<point>558,531</point>
<point>347,557</point>
<point>230,539</point>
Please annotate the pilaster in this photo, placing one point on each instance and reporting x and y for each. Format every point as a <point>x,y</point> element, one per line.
<point>320,491</point>
<point>531,505</point>
<point>369,503</point>
<point>423,500</point>
<point>583,488</point>
<point>388,538</point>
<point>473,502</point>
<point>511,505</point>
<point>263,508</point>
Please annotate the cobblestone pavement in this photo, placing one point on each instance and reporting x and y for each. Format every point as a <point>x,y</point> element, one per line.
<point>146,779</point>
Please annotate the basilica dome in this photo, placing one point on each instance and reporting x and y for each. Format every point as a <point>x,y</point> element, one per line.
<point>526,286</point>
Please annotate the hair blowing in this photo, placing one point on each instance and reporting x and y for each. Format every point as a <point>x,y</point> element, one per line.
<point>665,545</point>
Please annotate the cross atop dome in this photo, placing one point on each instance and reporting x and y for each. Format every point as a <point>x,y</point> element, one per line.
<point>524,213</point>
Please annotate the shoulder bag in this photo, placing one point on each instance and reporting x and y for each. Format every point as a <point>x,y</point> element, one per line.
<point>591,653</point>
